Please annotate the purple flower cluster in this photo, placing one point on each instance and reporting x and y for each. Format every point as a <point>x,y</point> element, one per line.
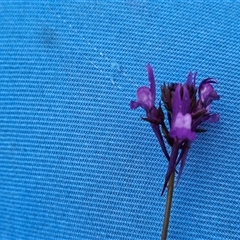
<point>187,108</point>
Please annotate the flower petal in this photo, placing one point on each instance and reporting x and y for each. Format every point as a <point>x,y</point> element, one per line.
<point>206,92</point>
<point>145,98</point>
<point>181,123</point>
<point>134,104</point>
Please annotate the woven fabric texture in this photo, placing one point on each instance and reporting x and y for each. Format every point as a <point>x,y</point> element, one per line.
<point>75,161</point>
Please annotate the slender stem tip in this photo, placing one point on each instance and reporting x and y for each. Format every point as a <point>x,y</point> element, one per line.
<point>168,206</point>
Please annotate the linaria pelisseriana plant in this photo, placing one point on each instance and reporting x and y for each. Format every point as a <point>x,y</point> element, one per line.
<point>187,107</point>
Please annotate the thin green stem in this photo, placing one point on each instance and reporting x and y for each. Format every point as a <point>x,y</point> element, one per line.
<point>168,206</point>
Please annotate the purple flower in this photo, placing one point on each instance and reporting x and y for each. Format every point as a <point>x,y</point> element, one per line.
<point>185,113</point>
<point>181,128</point>
<point>181,125</point>
<point>206,92</point>
<point>146,95</point>
<point>146,99</point>
<point>201,112</point>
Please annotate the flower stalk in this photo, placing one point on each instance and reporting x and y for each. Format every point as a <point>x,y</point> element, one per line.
<point>166,219</point>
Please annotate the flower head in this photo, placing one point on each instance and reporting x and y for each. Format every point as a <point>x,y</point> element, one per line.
<point>185,113</point>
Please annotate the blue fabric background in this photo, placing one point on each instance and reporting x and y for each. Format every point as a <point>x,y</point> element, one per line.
<point>75,161</point>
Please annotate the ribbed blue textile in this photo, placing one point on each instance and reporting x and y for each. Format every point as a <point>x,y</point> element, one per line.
<point>75,161</point>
